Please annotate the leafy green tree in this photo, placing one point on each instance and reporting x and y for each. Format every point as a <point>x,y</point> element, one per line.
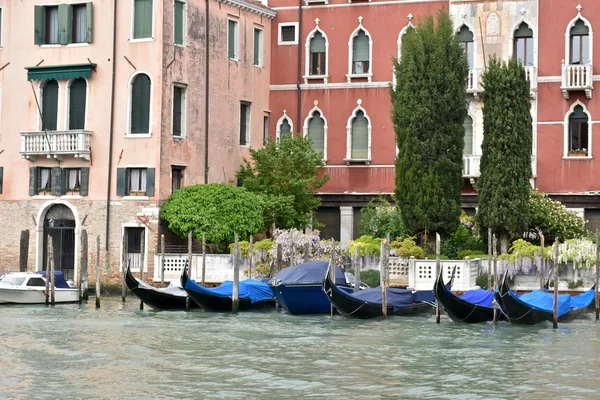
<point>506,151</point>
<point>552,218</point>
<point>379,217</point>
<point>429,108</point>
<point>217,210</point>
<point>287,173</point>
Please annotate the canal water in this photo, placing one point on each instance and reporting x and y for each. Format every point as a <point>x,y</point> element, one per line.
<point>119,352</point>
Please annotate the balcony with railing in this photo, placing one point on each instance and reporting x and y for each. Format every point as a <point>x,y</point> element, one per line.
<point>474,81</point>
<point>577,78</point>
<point>531,75</point>
<point>56,144</point>
<point>471,166</point>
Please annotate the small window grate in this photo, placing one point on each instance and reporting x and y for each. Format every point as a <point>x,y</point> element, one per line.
<point>288,33</point>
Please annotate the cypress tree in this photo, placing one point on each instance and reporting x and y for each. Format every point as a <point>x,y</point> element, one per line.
<point>429,108</point>
<point>506,151</point>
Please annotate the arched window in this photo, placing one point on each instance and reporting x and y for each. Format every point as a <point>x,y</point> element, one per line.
<point>77,99</point>
<point>359,137</point>
<point>468,127</point>
<point>141,88</point>
<point>578,132</point>
<point>580,43</point>
<point>49,105</point>
<point>317,55</point>
<point>285,128</point>
<point>523,45</point>
<point>465,38</point>
<point>360,53</point>
<point>316,132</point>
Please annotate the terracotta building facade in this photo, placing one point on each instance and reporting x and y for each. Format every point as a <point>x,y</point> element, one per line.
<point>107,109</point>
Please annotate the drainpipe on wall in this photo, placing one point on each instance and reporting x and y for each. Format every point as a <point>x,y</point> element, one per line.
<point>111,123</point>
<point>299,109</point>
<point>206,96</point>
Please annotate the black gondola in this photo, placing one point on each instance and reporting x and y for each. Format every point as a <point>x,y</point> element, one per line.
<point>170,298</point>
<point>519,311</point>
<point>460,310</point>
<point>208,301</point>
<point>349,305</point>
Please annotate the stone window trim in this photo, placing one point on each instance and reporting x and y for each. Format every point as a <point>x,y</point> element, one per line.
<point>280,121</point>
<point>233,53</point>
<point>515,27</point>
<point>183,106</point>
<point>348,160</point>
<point>570,25</point>
<point>132,38</point>
<point>280,38</point>
<point>399,45</point>
<point>566,140</point>
<point>307,121</point>
<point>369,73</point>
<point>184,23</point>
<point>307,74</point>
<point>128,133</point>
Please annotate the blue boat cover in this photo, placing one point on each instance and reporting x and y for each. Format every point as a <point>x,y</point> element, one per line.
<point>480,297</point>
<point>249,289</point>
<point>308,272</point>
<point>423,295</point>
<point>583,300</point>
<point>544,301</point>
<point>59,279</point>
<point>397,298</point>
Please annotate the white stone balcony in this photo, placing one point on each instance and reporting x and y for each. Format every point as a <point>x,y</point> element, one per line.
<point>531,75</point>
<point>474,82</point>
<point>471,166</point>
<point>56,144</point>
<point>577,78</point>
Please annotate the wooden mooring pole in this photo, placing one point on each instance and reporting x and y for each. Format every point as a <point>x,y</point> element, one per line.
<point>490,247</point>
<point>543,262</point>
<point>496,314</point>
<point>162,260</point>
<point>203,260</point>
<point>235,296</point>
<point>555,306</point>
<point>331,272</point>
<point>250,257</point>
<point>98,271</point>
<point>189,267</point>
<point>357,269</point>
<point>83,285</point>
<point>142,259</point>
<point>437,273</point>
<point>23,250</point>
<point>52,282</point>
<point>50,256</point>
<point>383,274</point>
<point>597,274</point>
<point>123,268</point>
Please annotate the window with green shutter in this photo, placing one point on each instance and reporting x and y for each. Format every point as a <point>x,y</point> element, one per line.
<point>140,104</point>
<point>142,19</point>
<point>49,105</point>
<point>178,111</point>
<point>232,39</point>
<point>317,54</point>
<point>360,53</point>
<point>258,47</point>
<point>77,99</point>
<point>468,127</point>
<point>316,132</point>
<point>285,128</point>
<point>465,38</point>
<point>360,137</point>
<point>63,24</point>
<point>179,18</point>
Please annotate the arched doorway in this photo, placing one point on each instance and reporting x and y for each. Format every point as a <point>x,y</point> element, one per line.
<point>59,223</point>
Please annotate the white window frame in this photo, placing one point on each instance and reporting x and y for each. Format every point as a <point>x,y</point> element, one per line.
<point>41,87</point>
<point>305,128</point>
<point>284,117</point>
<point>399,45</point>
<point>128,133</point>
<point>369,74</point>
<point>280,42</point>
<point>261,46</point>
<point>568,37</point>
<point>470,28</point>
<point>248,122</point>
<point>184,23</point>
<point>566,132</point>
<point>236,39</point>
<point>349,158</point>
<point>68,103</point>
<point>183,109</point>
<point>131,33</point>
<point>311,34</point>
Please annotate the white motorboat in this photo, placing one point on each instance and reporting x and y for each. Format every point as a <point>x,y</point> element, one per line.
<point>30,288</point>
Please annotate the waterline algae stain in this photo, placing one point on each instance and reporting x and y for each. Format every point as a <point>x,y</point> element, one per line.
<point>77,351</point>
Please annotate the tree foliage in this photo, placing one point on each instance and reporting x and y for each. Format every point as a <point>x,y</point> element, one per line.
<point>378,218</point>
<point>552,217</point>
<point>429,108</point>
<point>217,210</point>
<point>287,173</point>
<point>506,151</point>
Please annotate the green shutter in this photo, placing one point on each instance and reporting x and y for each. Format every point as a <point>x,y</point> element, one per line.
<point>316,132</point>
<point>140,104</point>
<point>77,104</point>
<point>39,36</point>
<point>231,39</point>
<point>84,181</point>
<point>150,182</point>
<point>178,19</point>
<point>89,22</point>
<point>360,137</point>
<point>121,181</point>
<point>257,34</point>
<point>64,23</point>
<point>317,44</point>
<point>142,24</point>
<point>57,182</point>
<point>50,105</point>
<point>177,94</point>
<point>1,168</point>
<point>360,49</point>
<point>33,184</point>
<point>468,127</point>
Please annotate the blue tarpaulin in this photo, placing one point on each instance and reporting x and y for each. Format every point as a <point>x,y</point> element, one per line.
<point>544,301</point>
<point>249,289</point>
<point>397,298</point>
<point>308,272</point>
<point>59,279</point>
<point>481,297</point>
<point>583,300</point>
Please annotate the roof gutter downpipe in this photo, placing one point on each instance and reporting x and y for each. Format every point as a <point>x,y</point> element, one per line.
<point>299,109</point>
<point>206,94</point>
<point>111,124</point>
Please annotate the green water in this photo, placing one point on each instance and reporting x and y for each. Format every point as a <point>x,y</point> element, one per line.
<point>119,352</point>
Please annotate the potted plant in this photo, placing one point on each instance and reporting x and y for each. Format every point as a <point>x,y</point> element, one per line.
<point>578,153</point>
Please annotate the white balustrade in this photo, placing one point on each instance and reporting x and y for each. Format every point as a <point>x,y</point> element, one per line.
<point>474,81</point>
<point>576,77</point>
<point>422,273</point>
<point>471,164</point>
<point>56,143</point>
